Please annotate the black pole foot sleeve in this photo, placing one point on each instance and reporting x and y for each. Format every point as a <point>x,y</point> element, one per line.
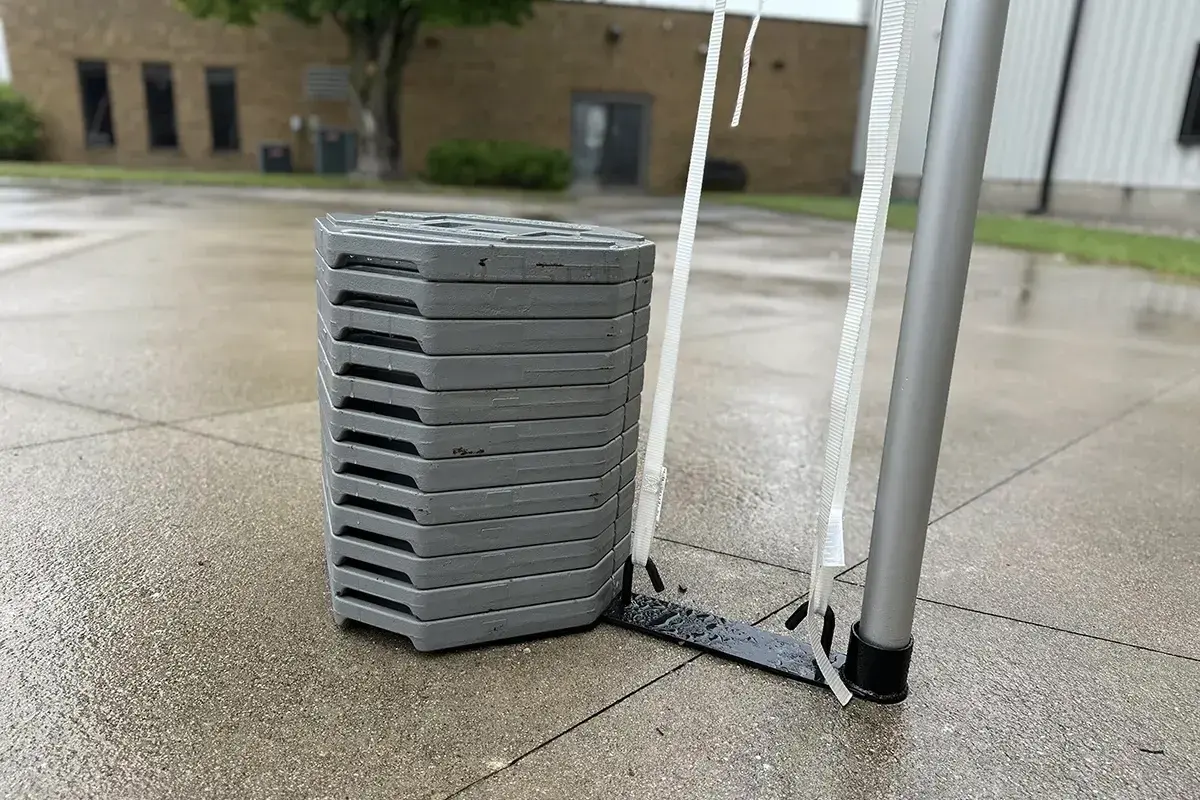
<point>877,674</point>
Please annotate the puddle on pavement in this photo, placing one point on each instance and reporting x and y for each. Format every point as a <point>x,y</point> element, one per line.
<point>1047,293</point>
<point>773,286</point>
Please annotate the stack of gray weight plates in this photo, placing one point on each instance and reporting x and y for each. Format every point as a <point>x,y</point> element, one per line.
<point>479,383</point>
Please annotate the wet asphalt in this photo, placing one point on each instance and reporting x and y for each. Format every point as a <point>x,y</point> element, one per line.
<point>164,624</point>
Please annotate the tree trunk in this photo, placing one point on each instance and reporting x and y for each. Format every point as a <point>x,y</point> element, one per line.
<point>378,51</point>
<point>365,94</point>
<point>394,113</point>
<point>373,115</point>
<point>395,92</point>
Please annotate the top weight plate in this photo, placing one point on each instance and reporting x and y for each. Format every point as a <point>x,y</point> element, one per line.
<point>469,247</point>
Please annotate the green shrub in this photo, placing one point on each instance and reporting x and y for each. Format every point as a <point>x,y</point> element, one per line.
<point>515,165</point>
<point>20,129</point>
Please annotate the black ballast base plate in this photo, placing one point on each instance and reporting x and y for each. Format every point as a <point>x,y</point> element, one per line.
<point>737,641</point>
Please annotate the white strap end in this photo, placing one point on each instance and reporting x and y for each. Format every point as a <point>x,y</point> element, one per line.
<point>737,109</point>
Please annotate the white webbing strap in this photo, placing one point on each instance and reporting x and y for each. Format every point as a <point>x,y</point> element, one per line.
<point>650,494</point>
<point>895,26</point>
<point>737,109</point>
<point>883,133</point>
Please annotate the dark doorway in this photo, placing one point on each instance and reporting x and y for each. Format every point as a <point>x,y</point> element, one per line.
<point>609,135</point>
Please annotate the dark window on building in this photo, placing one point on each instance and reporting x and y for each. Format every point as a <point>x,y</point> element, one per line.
<point>160,105</point>
<point>1189,131</point>
<point>222,107</point>
<point>97,106</point>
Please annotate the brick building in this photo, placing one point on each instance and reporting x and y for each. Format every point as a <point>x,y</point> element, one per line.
<point>139,83</point>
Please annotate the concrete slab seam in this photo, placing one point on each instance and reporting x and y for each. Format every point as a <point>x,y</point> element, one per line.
<point>236,411</point>
<point>80,438</point>
<point>249,445</point>
<point>1133,409</point>
<point>737,556</point>
<point>50,258</point>
<point>72,404</point>
<point>613,704</point>
<point>1052,628</point>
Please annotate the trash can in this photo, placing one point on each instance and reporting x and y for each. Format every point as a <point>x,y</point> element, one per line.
<point>479,390</point>
<point>274,157</point>
<point>335,151</point>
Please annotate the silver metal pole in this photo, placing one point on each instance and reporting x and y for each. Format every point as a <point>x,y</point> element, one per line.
<point>960,120</point>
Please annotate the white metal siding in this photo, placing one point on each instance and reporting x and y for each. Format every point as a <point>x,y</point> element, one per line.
<point>870,17</point>
<point>1034,45</point>
<point>1132,73</point>
<point>1130,81</point>
<point>915,116</point>
<point>914,123</point>
<point>5,73</point>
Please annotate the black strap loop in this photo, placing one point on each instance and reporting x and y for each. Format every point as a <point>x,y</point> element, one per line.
<point>827,626</point>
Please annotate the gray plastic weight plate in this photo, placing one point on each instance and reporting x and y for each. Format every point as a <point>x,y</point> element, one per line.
<point>469,247</point>
<point>629,466</point>
<point>625,520</point>
<point>354,482</point>
<point>480,439</point>
<point>625,499</point>
<point>434,300</point>
<point>466,505</point>
<point>641,323</point>
<point>498,547</point>
<point>474,629</point>
<point>631,441</point>
<point>477,405</point>
<point>452,474</point>
<point>372,354</point>
<point>496,537</point>
<point>439,337</point>
<point>475,598</point>
<point>477,567</point>
<point>379,523</point>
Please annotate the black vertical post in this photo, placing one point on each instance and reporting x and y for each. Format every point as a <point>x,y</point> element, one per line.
<point>1060,109</point>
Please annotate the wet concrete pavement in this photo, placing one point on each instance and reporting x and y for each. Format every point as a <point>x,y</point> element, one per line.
<point>164,629</point>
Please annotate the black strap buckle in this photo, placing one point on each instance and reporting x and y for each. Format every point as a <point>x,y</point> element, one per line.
<point>627,579</point>
<point>827,626</point>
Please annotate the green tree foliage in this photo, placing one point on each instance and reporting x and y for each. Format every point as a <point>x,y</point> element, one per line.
<point>380,36</point>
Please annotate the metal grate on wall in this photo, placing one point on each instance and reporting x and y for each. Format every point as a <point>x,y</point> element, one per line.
<point>322,82</point>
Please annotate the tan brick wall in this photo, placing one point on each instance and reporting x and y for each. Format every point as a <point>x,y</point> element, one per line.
<point>46,37</point>
<point>495,82</point>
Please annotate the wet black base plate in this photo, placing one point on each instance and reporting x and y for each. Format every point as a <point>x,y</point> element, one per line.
<point>788,656</point>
